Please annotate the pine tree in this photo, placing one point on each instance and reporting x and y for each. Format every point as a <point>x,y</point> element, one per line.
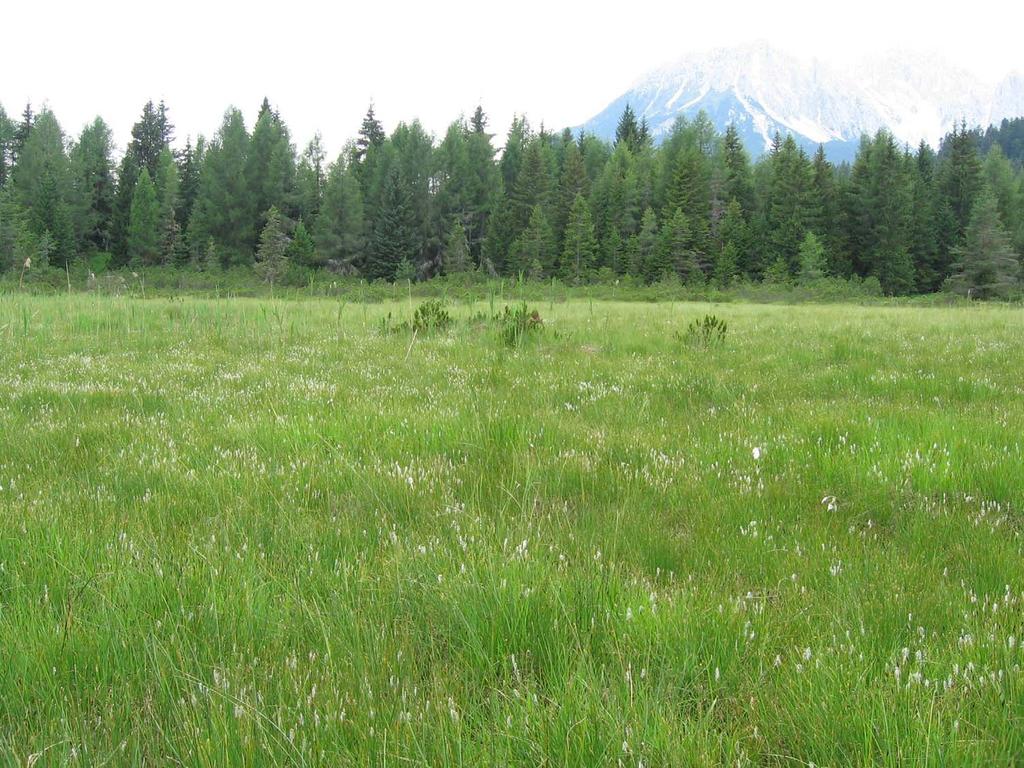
<point>579,251</point>
<point>986,264</point>
<point>144,229</point>
<point>272,254</point>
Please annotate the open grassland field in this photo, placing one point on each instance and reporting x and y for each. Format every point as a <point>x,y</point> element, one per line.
<point>274,533</point>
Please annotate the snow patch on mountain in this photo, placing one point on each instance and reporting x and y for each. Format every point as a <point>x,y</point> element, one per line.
<point>763,90</point>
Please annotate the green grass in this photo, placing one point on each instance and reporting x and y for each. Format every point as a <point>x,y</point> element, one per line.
<point>266,533</point>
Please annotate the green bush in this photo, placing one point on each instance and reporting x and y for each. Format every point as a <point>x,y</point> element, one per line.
<point>516,325</point>
<point>705,333</point>
<point>431,316</point>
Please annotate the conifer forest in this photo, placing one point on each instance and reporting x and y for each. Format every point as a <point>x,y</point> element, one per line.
<point>532,204</point>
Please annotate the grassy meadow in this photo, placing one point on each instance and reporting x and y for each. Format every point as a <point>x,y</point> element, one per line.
<point>258,532</point>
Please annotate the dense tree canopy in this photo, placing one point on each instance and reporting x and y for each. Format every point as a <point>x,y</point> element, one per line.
<point>693,208</point>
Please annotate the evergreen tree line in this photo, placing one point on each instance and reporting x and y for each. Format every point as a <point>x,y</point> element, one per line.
<point>695,208</point>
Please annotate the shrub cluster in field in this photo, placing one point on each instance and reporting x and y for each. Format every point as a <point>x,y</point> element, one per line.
<point>514,325</point>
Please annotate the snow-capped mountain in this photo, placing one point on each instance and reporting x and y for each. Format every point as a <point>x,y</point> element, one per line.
<point>763,90</point>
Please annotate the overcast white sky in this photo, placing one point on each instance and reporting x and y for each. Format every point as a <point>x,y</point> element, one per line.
<point>321,63</point>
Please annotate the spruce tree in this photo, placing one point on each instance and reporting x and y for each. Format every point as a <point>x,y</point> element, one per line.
<point>270,167</point>
<point>787,213</point>
<point>482,187</point>
<point>371,136</point>
<point>310,178</point>
<point>680,253</point>
<point>7,134</point>
<point>50,221</point>
<point>190,161</point>
<point>726,266</point>
<point>572,183</point>
<point>532,184</point>
<point>813,259</point>
<point>579,251</point>
<point>223,208</point>
<point>824,218</point>
<point>144,230</point>
<point>651,257</point>
<point>456,251</point>
<point>986,264</point>
<point>150,135</point>
<point>534,249</point>
<point>339,230</point>
<point>961,176</point>
<point>394,238</point>
<point>272,254</point>
<point>734,233</point>
<point>302,249</point>
<point>21,133</point>
<point>93,177</point>
<point>737,184</point>
<point>629,133</point>
<point>44,184</point>
<point>931,228</point>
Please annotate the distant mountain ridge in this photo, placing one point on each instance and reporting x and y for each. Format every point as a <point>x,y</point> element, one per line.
<point>763,90</point>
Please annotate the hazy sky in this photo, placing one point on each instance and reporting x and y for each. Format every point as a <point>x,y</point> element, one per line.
<point>321,64</point>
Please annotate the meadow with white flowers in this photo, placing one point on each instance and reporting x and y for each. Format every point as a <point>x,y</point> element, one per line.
<point>257,532</point>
